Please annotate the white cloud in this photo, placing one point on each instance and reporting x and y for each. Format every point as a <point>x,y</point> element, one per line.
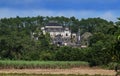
<point>12,13</point>
<point>4,12</point>
<point>110,16</point>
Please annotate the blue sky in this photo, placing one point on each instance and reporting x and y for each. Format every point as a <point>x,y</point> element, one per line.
<point>107,9</point>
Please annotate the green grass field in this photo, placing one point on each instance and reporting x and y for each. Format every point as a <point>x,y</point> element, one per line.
<point>8,64</point>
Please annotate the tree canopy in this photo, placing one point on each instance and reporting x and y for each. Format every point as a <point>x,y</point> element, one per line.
<point>16,42</point>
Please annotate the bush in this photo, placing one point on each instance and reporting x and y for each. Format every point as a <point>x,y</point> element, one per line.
<point>69,54</point>
<point>112,65</point>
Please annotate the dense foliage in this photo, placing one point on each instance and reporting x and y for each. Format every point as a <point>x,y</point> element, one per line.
<point>17,43</point>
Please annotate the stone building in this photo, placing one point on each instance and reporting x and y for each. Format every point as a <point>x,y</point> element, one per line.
<point>60,34</point>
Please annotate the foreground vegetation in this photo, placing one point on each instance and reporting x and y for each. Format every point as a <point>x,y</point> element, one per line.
<point>15,74</point>
<point>41,64</point>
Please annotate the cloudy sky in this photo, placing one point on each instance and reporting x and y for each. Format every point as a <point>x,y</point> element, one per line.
<point>107,9</point>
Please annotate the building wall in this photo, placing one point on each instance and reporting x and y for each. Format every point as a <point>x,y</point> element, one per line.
<point>53,33</point>
<point>65,34</point>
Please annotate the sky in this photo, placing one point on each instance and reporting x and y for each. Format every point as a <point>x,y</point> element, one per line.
<point>106,9</point>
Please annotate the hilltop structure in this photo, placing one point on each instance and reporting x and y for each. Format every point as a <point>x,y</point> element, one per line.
<point>60,35</point>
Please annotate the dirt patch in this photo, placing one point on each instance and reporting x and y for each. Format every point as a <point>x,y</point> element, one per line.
<point>90,71</point>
